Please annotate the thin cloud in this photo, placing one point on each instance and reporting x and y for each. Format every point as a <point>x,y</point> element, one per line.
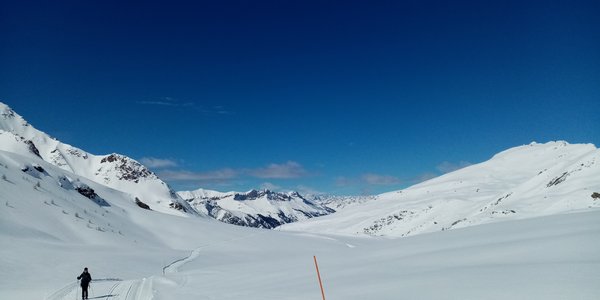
<point>157,163</point>
<point>367,179</point>
<point>343,181</point>
<point>425,176</point>
<point>447,167</point>
<point>377,179</point>
<point>306,190</point>
<point>288,170</point>
<point>166,101</point>
<point>270,186</point>
<point>216,175</point>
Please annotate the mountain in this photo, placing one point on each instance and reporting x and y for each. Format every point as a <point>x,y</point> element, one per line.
<point>338,203</point>
<point>262,209</point>
<point>114,170</point>
<point>523,182</point>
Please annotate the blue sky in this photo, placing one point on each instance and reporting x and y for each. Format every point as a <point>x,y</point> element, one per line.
<point>343,97</point>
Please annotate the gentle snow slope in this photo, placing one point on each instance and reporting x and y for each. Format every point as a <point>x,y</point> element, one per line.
<point>519,183</point>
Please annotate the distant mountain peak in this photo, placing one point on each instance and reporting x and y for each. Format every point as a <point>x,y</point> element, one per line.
<point>254,208</point>
<point>10,120</point>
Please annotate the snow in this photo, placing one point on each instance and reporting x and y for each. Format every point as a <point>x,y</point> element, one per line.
<point>116,171</point>
<point>254,208</point>
<point>49,231</point>
<point>519,183</point>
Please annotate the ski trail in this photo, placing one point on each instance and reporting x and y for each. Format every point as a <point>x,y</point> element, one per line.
<point>72,290</point>
<point>110,292</point>
<point>175,265</point>
<point>107,289</point>
<point>137,289</point>
<point>132,291</point>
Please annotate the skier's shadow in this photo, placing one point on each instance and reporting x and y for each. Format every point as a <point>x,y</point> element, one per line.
<point>104,296</point>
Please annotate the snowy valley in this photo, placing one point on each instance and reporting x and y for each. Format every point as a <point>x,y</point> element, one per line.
<point>522,225</point>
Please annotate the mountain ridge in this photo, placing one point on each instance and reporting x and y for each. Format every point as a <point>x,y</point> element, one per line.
<point>521,182</point>
<point>254,208</point>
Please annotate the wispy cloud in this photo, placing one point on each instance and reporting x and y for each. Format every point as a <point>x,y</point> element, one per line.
<point>153,162</point>
<point>343,181</point>
<point>166,101</point>
<point>424,177</point>
<point>447,167</point>
<point>306,190</point>
<point>216,109</point>
<point>216,175</point>
<point>368,179</point>
<point>377,179</point>
<point>196,106</point>
<point>270,186</point>
<point>288,170</point>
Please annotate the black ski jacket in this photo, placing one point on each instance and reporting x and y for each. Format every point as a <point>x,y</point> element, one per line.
<point>85,278</point>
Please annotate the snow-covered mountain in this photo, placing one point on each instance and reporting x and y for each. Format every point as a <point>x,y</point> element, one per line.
<point>55,221</point>
<point>337,202</point>
<point>114,170</point>
<point>523,182</point>
<point>262,209</point>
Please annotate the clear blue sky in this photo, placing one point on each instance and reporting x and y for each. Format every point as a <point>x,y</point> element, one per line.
<point>343,97</point>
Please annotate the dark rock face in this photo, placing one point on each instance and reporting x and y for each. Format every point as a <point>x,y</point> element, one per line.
<point>39,168</point>
<point>89,193</point>
<point>141,204</point>
<point>32,148</point>
<point>34,170</point>
<point>177,206</point>
<point>86,191</point>
<point>127,168</point>
<point>558,180</point>
<point>596,195</point>
<point>255,194</point>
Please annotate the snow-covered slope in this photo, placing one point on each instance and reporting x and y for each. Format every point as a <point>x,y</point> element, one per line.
<point>263,209</point>
<point>116,171</point>
<point>522,182</point>
<point>53,222</point>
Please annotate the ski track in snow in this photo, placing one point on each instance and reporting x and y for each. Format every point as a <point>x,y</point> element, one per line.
<point>175,265</point>
<point>106,289</point>
<point>137,289</point>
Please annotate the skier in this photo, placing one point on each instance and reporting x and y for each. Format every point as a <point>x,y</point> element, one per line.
<point>85,282</point>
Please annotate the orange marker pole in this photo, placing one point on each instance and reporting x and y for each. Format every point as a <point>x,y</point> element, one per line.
<point>319,276</point>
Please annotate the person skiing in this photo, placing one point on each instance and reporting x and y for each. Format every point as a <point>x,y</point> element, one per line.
<point>86,278</point>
